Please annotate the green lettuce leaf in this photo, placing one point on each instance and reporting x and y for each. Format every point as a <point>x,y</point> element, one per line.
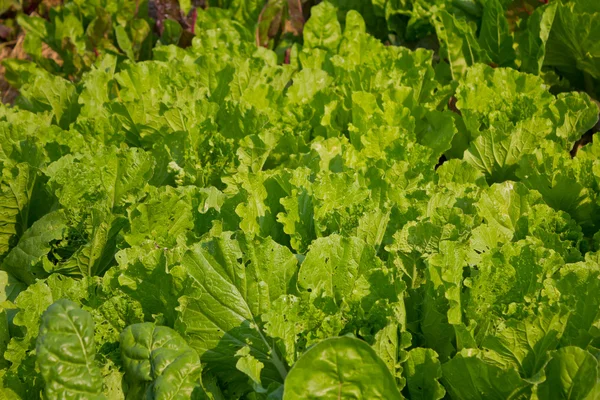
<point>469,376</point>
<point>423,371</point>
<point>494,36</point>
<point>533,38</point>
<point>572,373</point>
<point>232,280</point>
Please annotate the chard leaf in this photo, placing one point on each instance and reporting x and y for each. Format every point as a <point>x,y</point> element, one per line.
<point>356,371</point>
<point>158,363</point>
<point>65,353</point>
<point>323,30</point>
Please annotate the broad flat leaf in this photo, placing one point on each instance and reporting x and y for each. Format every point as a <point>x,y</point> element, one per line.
<point>572,43</point>
<point>533,38</point>
<point>171,32</point>
<point>336,198</point>
<point>25,260</point>
<point>97,86</point>
<point>366,114</point>
<point>124,41</point>
<point>158,363</point>
<point>21,136</point>
<point>503,205</point>
<point>298,218</point>
<point>22,198</point>
<point>68,27</point>
<point>578,283</point>
<point>526,344</point>
<point>46,92</point>
<point>338,368</point>
<point>33,302</point>
<point>259,194</point>
<point>323,30</point>
<point>232,281</point>
<point>459,172</point>
<point>459,45</point>
<point>65,353</point>
<point>284,322</point>
<point>246,12</point>
<point>512,274</point>
<point>497,153</point>
<point>37,30</point>
<point>357,47</point>
<point>148,276</point>
<point>446,269</point>
<point>372,227</point>
<point>387,346</point>
<point>572,373</point>
<point>556,229</point>
<point>499,98</point>
<point>436,132</point>
<point>468,376</point>
<point>307,83</point>
<point>562,183</point>
<point>494,35</point>
<point>423,370</point>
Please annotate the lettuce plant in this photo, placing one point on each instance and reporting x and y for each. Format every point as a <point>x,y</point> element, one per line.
<point>360,221</point>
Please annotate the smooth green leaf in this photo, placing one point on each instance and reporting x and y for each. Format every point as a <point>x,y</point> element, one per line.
<point>340,368</point>
<point>323,30</point>
<point>65,353</point>
<point>158,363</point>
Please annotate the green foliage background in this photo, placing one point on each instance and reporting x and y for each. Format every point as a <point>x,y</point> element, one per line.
<point>336,215</point>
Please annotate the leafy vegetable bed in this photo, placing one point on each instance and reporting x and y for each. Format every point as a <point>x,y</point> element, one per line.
<point>336,218</point>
